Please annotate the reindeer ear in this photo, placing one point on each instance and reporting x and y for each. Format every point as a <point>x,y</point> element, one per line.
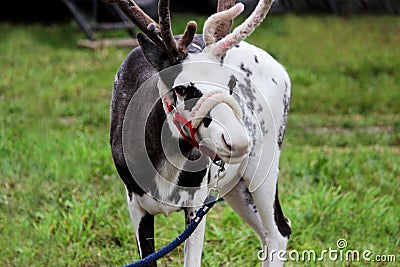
<point>154,54</point>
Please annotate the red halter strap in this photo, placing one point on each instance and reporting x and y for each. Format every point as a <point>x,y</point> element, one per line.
<point>181,122</point>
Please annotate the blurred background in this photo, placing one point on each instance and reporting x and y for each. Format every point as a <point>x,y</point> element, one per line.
<point>95,15</point>
<point>56,11</point>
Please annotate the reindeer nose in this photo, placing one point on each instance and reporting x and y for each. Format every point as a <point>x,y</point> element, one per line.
<point>236,144</point>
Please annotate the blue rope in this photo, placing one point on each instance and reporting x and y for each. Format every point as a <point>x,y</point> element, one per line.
<point>209,203</point>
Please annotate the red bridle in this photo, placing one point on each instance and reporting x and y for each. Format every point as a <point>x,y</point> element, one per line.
<point>182,123</point>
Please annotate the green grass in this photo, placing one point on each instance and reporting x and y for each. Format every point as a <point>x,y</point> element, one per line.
<point>63,204</point>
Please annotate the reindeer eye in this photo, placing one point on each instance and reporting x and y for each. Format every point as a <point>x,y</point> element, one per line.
<point>180,90</point>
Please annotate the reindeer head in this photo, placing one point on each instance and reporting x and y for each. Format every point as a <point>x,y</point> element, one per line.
<point>198,107</point>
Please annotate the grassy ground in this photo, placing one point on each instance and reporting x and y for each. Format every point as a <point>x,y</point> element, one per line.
<point>62,203</point>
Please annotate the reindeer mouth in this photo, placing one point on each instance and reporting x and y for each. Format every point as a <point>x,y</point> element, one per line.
<point>225,156</point>
<point>232,156</point>
<point>232,159</point>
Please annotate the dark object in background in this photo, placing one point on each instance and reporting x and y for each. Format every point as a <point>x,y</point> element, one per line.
<point>204,7</point>
<point>208,7</point>
<point>343,6</point>
<point>361,6</point>
<point>90,26</point>
<point>52,11</point>
<point>44,11</point>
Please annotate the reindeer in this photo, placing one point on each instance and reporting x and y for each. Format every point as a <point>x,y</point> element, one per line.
<point>187,108</point>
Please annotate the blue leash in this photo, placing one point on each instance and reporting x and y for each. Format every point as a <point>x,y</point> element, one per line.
<point>208,204</point>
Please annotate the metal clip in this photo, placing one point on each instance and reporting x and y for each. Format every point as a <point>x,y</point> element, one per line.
<point>213,191</point>
<point>221,171</point>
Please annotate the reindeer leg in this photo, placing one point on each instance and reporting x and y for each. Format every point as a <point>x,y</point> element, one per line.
<point>194,244</point>
<point>241,201</point>
<point>143,223</point>
<point>276,226</point>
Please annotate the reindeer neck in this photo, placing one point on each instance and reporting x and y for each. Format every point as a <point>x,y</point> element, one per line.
<point>164,146</point>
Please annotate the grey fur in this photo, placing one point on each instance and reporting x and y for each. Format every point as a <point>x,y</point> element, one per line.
<point>133,72</point>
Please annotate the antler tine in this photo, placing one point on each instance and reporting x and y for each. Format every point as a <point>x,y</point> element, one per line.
<point>160,34</point>
<point>166,31</point>
<point>186,38</point>
<point>146,24</point>
<point>214,21</point>
<point>242,31</point>
<point>224,27</point>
